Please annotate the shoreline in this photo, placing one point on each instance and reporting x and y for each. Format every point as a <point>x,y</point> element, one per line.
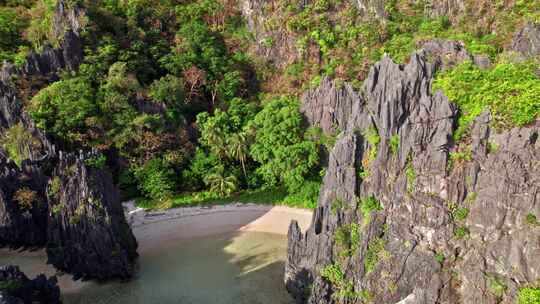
<point>155,229</point>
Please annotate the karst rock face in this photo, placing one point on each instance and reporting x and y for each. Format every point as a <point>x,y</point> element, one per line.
<point>23,204</point>
<point>277,45</point>
<point>526,42</point>
<point>23,207</point>
<point>69,53</point>
<point>87,232</point>
<point>447,229</point>
<point>17,288</point>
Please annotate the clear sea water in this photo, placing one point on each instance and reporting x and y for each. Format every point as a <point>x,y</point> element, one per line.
<point>237,268</point>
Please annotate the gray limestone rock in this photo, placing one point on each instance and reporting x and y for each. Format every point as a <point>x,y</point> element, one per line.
<point>445,228</point>
<point>87,233</point>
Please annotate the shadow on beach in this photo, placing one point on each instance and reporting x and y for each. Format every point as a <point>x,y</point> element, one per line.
<point>206,261</point>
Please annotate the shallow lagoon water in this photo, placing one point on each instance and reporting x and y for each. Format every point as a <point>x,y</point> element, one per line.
<point>234,268</point>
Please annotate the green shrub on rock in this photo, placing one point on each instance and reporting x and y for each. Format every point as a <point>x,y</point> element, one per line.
<point>511,91</point>
<point>529,295</point>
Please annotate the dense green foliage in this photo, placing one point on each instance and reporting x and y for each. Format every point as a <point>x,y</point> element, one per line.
<point>344,287</point>
<point>348,42</point>
<point>155,179</point>
<point>187,112</point>
<point>511,91</point>
<point>279,145</point>
<point>529,295</point>
<point>17,142</point>
<point>64,108</point>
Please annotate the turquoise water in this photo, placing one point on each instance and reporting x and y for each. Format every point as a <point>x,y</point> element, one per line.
<point>240,268</point>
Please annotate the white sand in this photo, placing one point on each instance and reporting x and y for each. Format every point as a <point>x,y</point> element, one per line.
<point>155,229</point>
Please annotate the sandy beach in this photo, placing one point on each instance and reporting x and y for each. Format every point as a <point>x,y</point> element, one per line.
<point>159,230</point>
<point>156,228</point>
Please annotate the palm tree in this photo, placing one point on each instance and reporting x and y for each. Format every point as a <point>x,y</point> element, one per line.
<point>215,140</point>
<point>220,184</point>
<point>238,149</point>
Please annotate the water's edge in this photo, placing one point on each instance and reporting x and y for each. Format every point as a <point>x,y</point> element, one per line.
<point>234,267</point>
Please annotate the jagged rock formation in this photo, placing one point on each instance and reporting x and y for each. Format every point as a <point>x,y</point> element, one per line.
<point>371,7</point>
<point>77,212</point>
<point>451,8</point>
<point>329,106</point>
<point>66,25</point>
<point>17,288</point>
<point>276,44</point>
<point>398,219</point>
<point>23,207</point>
<point>451,53</point>
<point>87,233</point>
<point>26,225</point>
<point>526,42</point>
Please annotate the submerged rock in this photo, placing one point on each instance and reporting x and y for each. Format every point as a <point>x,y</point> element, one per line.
<point>399,220</point>
<point>87,233</point>
<point>17,288</point>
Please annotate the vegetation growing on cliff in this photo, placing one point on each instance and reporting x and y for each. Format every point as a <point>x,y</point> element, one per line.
<point>175,95</point>
<point>511,91</point>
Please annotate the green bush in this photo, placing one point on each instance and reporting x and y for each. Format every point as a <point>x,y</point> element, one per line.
<point>344,287</point>
<point>511,91</point>
<point>348,238</point>
<point>368,205</point>
<point>439,257</point>
<point>279,145</point>
<point>531,220</point>
<point>16,142</point>
<point>529,295</point>
<point>305,197</point>
<point>461,214</point>
<point>155,179</point>
<point>64,108</point>
<point>375,252</point>
<point>97,162</point>
<point>11,25</point>
<point>497,287</point>
<point>461,232</point>
<point>394,144</point>
<point>168,90</point>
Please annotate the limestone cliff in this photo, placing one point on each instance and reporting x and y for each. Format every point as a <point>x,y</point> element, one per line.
<point>87,233</point>
<point>47,198</point>
<point>400,216</point>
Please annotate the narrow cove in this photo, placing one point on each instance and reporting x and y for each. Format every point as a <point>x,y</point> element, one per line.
<point>243,267</point>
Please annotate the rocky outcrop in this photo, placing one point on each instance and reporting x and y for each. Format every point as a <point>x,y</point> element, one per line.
<point>526,42</point>
<point>451,53</point>
<point>371,7</point>
<point>329,105</point>
<point>66,25</point>
<point>24,224</point>
<point>450,8</point>
<point>17,288</point>
<point>23,207</point>
<point>274,43</point>
<point>407,216</point>
<point>87,233</point>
